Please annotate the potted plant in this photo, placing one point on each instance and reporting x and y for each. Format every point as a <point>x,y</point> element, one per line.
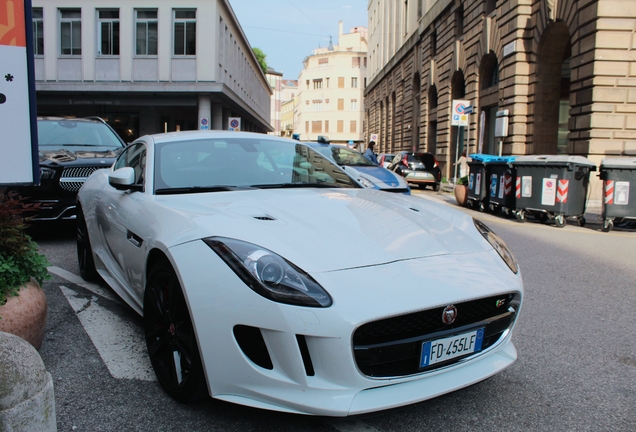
<point>461,191</point>
<point>23,304</point>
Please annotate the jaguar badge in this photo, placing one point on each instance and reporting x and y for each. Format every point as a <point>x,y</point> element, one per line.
<point>449,314</point>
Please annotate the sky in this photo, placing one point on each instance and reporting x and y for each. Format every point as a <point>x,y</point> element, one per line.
<point>287,31</point>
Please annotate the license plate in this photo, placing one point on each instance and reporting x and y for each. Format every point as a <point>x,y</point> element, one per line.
<point>420,175</point>
<point>448,348</point>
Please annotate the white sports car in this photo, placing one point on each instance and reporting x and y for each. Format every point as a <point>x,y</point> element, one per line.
<point>267,277</point>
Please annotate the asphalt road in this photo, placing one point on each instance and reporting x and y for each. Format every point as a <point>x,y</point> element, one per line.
<point>576,369</point>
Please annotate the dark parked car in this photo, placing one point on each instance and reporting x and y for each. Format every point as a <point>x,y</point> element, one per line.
<point>70,150</point>
<point>421,169</point>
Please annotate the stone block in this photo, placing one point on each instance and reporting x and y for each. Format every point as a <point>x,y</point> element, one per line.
<point>611,68</point>
<point>602,94</point>
<point>598,146</point>
<point>607,121</point>
<point>27,401</point>
<point>616,8</point>
<point>613,39</point>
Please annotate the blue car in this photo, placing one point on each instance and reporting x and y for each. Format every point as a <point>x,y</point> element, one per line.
<point>367,173</point>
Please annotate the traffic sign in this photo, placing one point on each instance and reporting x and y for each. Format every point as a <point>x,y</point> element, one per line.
<point>459,115</point>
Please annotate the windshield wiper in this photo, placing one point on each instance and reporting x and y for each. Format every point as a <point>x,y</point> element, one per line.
<point>199,189</point>
<point>295,185</point>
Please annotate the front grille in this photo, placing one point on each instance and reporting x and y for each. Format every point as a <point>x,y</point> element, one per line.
<point>73,178</point>
<point>392,347</point>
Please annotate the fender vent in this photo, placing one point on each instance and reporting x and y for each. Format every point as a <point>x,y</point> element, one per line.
<point>264,218</point>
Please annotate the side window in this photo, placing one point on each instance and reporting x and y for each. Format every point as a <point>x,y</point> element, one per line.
<point>135,157</point>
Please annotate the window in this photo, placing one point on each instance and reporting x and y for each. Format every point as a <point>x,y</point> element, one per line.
<point>340,104</point>
<point>326,126</point>
<point>323,62</point>
<point>327,82</point>
<point>306,127</point>
<point>354,104</point>
<point>340,126</point>
<point>433,44</point>
<point>355,62</point>
<point>71,32</point>
<point>459,23</point>
<point>405,17</point>
<point>326,104</point>
<point>307,84</point>
<point>491,5</point>
<point>185,32</point>
<point>317,84</point>
<point>108,32</point>
<point>38,31</point>
<point>354,82</point>
<point>146,29</point>
<point>353,127</point>
<point>318,105</point>
<point>340,82</point>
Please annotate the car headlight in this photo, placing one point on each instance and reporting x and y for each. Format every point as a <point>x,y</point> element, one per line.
<point>47,173</point>
<point>497,244</point>
<point>366,182</point>
<point>268,274</point>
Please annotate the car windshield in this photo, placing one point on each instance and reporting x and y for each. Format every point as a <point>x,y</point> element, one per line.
<point>70,133</point>
<point>207,165</point>
<point>344,156</point>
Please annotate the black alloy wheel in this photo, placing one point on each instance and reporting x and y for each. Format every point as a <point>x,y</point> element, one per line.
<point>170,336</point>
<point>84,251</point>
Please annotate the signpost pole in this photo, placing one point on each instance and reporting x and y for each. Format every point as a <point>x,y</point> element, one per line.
<point>459,132</point>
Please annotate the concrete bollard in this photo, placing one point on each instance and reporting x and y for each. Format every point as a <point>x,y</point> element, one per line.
<point>27,401</point>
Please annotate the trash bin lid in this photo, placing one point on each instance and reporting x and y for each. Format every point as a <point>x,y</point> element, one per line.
<point>487,158</point>
<point>554,159</point>
<point>619,162</point>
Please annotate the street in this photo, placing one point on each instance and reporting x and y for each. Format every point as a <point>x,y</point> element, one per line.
<point>576,367</point>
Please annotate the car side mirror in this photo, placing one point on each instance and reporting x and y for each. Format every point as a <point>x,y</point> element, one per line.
<point>123,179</point>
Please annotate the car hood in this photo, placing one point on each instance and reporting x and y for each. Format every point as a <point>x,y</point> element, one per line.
<point>323,230</point>
<point>378,175</point>
<point>68,156</point>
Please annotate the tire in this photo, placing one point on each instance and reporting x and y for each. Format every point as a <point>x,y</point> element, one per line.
<point>481,206</point>
<point>436,187</point>
<point>521,216</point>
<point>421,186</point>
<point>542,217</point>
<point>170,337</point>
<point>581,221</point>
<point>85,259</point>
<point>608,224</point>
<point>559,220</point>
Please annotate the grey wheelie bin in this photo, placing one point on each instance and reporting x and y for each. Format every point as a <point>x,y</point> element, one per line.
<point>619,190</point>
<point>501,174</point>
<point>477,197</point>
<point>550,187</point>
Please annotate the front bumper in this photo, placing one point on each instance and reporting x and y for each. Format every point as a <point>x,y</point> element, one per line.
<point>313,368</point>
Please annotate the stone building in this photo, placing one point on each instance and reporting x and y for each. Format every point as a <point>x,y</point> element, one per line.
<point>564,70</point>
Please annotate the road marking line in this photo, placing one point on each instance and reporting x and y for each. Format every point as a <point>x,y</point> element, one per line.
<point>121,345</point>
<point>77,280</point>
<point>351,426</point>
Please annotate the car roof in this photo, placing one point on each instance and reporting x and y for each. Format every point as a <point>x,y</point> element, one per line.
<point>216,134</point>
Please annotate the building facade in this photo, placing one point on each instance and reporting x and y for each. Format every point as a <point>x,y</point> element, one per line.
<point>275,82</point>
<point>148,66</point>
<point>330,86</point>
<point>563,72</point>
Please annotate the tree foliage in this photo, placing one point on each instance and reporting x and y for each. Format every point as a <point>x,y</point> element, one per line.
<point>260,56</point>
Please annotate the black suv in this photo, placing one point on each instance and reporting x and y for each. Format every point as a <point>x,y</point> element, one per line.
<point>70,150</point>
<point>421,169</point>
